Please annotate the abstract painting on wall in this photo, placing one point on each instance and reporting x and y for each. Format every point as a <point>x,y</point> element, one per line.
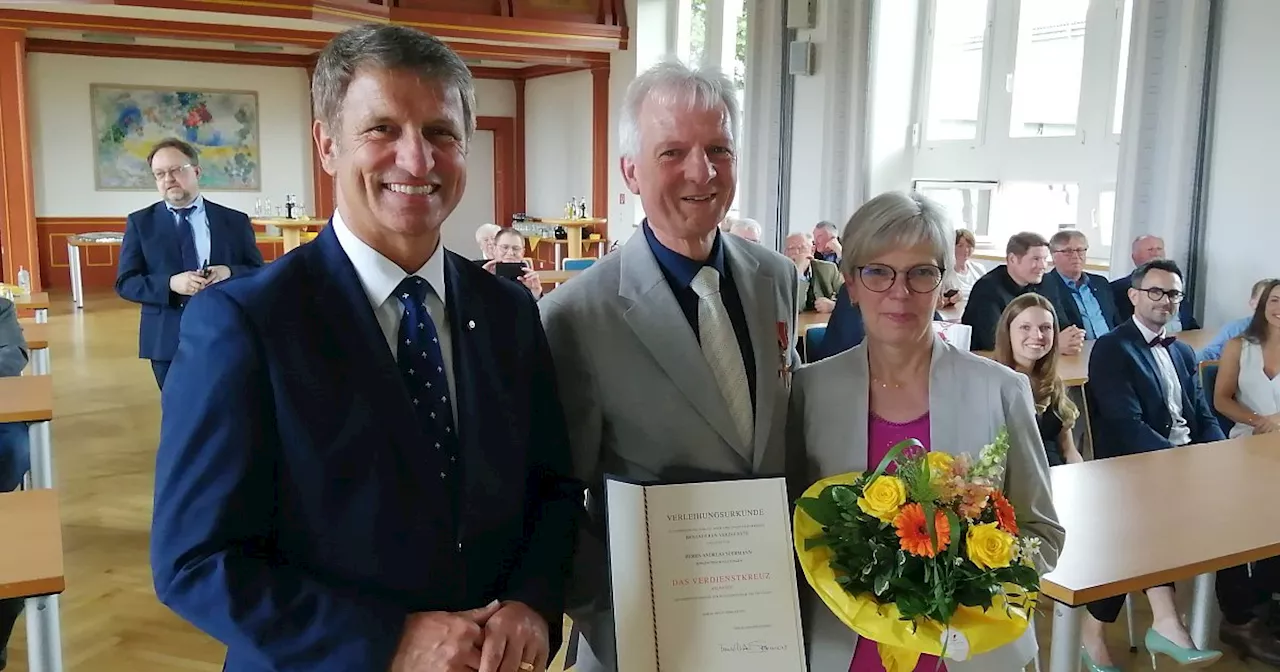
<point>129,120</point>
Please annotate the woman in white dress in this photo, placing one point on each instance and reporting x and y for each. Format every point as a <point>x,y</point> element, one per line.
<point>1248,386</point>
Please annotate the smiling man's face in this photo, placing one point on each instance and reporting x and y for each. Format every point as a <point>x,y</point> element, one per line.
<point>686,172</point>
<point>398,155</point>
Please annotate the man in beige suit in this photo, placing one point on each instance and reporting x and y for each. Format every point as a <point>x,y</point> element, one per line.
<point>673,355</point>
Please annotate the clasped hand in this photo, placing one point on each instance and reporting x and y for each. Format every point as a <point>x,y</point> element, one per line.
<point>495,638</point>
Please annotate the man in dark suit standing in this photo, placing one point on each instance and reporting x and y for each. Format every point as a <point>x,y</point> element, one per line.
<point>1148,397</point>
<point>363,464</point>
<point>1085,297</point>
<point>176,248</point>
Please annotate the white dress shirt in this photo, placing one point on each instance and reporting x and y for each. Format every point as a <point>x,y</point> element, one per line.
<point>379,276</point>
<point>1180,434</point>
<point>199,227</point>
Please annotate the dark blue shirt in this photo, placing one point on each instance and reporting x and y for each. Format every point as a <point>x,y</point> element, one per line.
<point>679,272</point>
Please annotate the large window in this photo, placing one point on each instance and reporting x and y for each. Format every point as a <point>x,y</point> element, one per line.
<point>718,39</point>
<point>1021,110</point>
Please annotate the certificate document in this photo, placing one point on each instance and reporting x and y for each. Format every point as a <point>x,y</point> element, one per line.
<point>704,577</point>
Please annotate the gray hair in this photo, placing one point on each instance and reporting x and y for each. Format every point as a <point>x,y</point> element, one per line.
<point>671,83</point>
<point>1065,236</point>
<point>387,47</point>
<point>897,220</point>
<point>487,229</point>
<point>745,224</point>
<point>828,226</point>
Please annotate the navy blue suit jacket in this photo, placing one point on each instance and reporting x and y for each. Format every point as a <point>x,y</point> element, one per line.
<point>297,518</point>
<point>1102,291</point>
<point>1124,307</point>
<point>844,329</point>
<point>150,255</point>
<point>1130,410</point>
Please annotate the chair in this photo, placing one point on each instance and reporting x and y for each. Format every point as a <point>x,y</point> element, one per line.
<point>1208,379</point>
<point>813,336</point>
<point>577,264</point>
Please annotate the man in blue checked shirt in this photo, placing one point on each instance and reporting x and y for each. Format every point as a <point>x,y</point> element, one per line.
<point>1086,297</point>
<point>1235,327</point>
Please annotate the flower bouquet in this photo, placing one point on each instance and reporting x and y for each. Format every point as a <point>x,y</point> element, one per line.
<point>922,555</point>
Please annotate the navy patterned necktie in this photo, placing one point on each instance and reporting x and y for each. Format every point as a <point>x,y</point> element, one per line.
<point>187,239</point>
<point>422,368</point>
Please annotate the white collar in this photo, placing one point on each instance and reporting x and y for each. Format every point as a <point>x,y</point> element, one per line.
<point>379,275</point>
<point>198,204</point>
<point>1147,333</point>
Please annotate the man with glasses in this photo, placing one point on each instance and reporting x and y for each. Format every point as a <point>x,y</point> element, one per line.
<point>1027,258</point>
<point>177,247</point>
<point>819,281</point>
<point>1149,248</point>
<point>1086,297</point>
<point>508,248</point>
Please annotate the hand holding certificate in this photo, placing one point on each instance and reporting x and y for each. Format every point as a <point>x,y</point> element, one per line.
<point>703,577</point>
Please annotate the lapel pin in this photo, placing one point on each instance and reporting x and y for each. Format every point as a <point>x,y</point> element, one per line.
<point>471,324</point>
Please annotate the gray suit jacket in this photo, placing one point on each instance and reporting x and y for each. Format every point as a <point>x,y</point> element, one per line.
<point>970,397</point>
<point>641,401</point>
<point>13,345</point>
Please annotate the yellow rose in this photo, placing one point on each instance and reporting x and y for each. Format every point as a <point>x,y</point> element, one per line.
<point>939,464</point>
<point>883,497</point>
<point>989,547</point>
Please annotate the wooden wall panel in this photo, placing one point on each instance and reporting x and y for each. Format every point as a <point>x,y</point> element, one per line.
<point>18,241</point>
<point>97,264</point>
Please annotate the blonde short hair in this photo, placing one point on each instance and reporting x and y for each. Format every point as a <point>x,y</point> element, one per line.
<point>897,220</point>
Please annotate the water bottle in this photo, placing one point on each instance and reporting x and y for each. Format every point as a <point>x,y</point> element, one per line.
<point>24,280</point>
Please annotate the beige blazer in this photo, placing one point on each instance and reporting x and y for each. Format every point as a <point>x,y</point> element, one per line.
<point>641,401</point>
<point>970,397</point>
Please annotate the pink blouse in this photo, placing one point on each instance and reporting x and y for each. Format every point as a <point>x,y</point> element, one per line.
<point>881,436</point>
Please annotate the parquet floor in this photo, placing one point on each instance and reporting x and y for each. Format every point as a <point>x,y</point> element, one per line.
<point>104,437</point>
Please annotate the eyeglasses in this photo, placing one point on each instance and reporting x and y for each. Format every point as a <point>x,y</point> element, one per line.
<point>1157,294</point>
<point>174,172</point>
<point>513,249</point>
<point>920,279</point>
<point>1073,251</point>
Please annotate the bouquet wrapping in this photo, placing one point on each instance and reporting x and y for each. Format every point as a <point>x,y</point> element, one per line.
<point>922,555</point>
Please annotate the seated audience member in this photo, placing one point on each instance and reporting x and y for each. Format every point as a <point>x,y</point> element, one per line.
<point>966,271</point>
<point>508,247</point>
<point>826,242</point>
<point>1149,398</point>
<point>1234,328</point>
<point>844,328</point>
<point>1248,385</point>
<point>819,281</point>
<point>15,448</point>
<point>1026,341</point>
<point>746,229</point>
<point>1026,257</point>
<point>1085,296</point>
<point>485,235</point>
<point>1149,248</point>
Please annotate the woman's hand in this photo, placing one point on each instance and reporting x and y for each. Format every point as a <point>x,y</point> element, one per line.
<point>1267,424</point>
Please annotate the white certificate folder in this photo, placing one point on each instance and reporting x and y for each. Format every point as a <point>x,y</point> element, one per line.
<point>703,576</point>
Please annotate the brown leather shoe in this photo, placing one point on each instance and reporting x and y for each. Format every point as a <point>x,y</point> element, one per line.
<point>1252,640</point>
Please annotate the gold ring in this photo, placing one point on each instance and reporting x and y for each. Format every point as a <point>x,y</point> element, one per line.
<point>527,667</point>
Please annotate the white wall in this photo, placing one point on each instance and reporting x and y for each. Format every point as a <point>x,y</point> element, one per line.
<point>62,131</point>
<point>893,68</point>
<point>476,206</point>
<point>557,142</point>
<point>1243,244</point>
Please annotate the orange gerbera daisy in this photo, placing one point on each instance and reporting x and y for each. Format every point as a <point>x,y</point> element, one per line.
<point>1004,513</point>
<point>913,535</point>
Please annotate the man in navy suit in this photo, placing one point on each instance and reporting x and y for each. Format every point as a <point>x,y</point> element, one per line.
<point>1147,397</point>
<point>1085,297</point>
<point>363,464</point>
<point>1149,248</point>
<point>176,248</point>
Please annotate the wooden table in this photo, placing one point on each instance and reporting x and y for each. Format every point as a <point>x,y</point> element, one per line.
<point>290,229</point>
<point>74,243</point>
<point>30,399</point>
<point>37,336</point>
<point>556,277</point>
<point>1196,338</point>
<point>573,227</point>
<point>1142,520</point>
<point>30,525</point>
<point>37,301</point>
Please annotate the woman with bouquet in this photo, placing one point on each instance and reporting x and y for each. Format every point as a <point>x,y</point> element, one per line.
<point>903,382</point>
<point>1027,342</point>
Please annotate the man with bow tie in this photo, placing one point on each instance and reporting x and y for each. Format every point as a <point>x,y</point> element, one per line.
<point>1147,397</point>
<point>363,464</point>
